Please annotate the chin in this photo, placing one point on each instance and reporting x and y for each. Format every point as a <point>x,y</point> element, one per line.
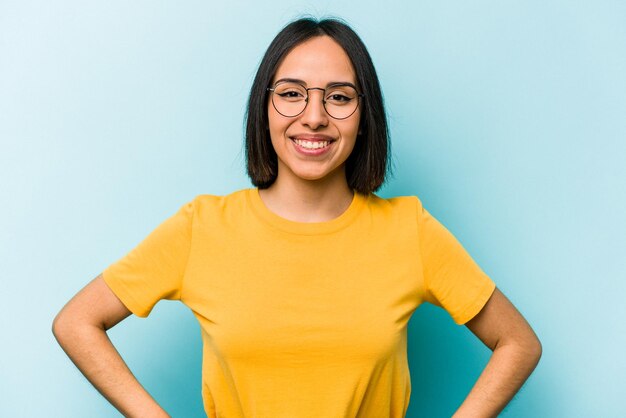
<point>312,177</point>
<point>313,172</point>
<point>316,176</point>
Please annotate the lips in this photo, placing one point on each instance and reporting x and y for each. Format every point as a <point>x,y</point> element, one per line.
<point>312,138</point>
<point>312,144</point>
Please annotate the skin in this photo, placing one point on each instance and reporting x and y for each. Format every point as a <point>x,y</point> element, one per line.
<point>516,352</point>
<point>307,189</point>
<point>316,190</point>
<point>80,328</point>
<point>312,189</point>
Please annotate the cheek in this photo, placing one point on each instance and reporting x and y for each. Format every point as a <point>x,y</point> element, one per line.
<point>354,127</point>
<point>277,127</point>
<point>273,117</point>
<point>272,122</point>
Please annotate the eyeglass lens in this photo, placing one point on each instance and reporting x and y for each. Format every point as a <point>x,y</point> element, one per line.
<point>290,99</point>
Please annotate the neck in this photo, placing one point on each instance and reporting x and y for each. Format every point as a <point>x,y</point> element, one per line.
<point>308,200</point>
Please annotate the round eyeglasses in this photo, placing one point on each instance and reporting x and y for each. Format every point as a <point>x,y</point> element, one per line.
<point>290,99</point>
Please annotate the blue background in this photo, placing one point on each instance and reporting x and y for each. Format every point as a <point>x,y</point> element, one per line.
<point>508,120</point>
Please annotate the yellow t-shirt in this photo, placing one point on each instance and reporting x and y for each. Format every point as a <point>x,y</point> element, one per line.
<point>302,319</point>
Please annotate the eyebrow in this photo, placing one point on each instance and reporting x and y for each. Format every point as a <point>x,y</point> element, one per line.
<point>329,84</point>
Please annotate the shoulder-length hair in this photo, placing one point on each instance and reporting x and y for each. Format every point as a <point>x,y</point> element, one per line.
<point>369,161</point>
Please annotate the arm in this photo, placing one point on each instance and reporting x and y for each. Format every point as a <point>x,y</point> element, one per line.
<point>516,352</point>
<point>80,328</point>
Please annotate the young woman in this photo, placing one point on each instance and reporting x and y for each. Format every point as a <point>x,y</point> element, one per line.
<point>303,285</point>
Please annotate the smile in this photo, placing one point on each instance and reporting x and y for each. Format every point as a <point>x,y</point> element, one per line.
<point>316,147</point>
<point>311,144</point>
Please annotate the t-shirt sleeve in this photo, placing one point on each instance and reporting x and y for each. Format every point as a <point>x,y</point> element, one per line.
<point>452,278</point>
<point>154,269</point>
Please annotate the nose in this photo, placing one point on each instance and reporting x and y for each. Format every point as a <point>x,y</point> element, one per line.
<point>314,114</point>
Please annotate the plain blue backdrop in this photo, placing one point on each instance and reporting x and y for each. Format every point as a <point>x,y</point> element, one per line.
<point>508,120</point>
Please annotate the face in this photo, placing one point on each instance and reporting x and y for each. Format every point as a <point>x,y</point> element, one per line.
<point>314,146</point>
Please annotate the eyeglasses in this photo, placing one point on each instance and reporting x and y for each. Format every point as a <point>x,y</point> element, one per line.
<point>290,99</point>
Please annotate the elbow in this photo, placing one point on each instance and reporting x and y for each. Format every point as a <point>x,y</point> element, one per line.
<point>537,350</point>
<point>63,327</point>
<point>532,349</point>
<point>59,326</point>
<point>526,348</point>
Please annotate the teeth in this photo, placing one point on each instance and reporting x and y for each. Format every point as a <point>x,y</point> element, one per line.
<point>311,144</point>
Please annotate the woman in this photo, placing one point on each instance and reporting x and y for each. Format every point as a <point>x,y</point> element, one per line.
<point>303,286</point>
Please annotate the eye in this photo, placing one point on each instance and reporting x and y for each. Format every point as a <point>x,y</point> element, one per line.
<point>290,94</point>
<point>338,97</point>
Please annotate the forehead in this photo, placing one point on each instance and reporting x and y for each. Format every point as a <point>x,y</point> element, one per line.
<point>317,61</point>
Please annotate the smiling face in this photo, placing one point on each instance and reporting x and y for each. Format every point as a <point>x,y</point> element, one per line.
<point>312,145</point>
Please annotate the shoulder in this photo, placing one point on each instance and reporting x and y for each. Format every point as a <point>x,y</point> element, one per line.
<point>396,213</point>
<point>212,201</point>
<point>219,208</point>
<point>408,205</point>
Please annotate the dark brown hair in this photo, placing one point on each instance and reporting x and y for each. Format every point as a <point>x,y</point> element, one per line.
<point>369,162</point>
